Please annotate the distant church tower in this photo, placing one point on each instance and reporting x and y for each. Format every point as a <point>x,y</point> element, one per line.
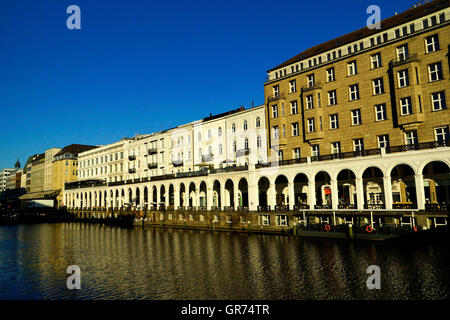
<point>17,165</point>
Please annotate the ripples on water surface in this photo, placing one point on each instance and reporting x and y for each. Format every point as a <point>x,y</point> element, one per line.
<point>158,263</point>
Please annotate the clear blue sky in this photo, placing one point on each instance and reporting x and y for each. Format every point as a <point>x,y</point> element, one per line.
<point>142,66</point>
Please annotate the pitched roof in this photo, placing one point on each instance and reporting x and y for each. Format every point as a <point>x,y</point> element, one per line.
<point>399,19</point>
<point>75,149</point>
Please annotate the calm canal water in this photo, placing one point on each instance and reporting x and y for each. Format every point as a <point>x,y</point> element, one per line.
<point>155,263</point>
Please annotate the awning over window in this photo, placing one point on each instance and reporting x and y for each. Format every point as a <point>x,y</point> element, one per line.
<point>40,195</point>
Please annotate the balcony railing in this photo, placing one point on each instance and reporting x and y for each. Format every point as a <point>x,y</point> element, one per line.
<point>242,209</point>
<point>132,170</point>
<point>345,155</point>
<point>229,169</point>
<point>322,206</point>
<point>281,208</point>
<point>152,151</point>
<point>316,85</point>
<point>418,146</point>
<point>242,152</point>
<point>301,206</point>
<point>132,157</point>
<point>228,208</point>
<point>177,163</point>
<point>276,97</point>
<point>374,206</point>
<point>437,207</point>
<point>263,208</point>
<point>400,61</point>
<point>207,157</point>
<point>347,206</point>
<point>152,165</point>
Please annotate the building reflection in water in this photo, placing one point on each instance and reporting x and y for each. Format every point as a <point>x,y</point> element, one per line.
<point>158,263</point>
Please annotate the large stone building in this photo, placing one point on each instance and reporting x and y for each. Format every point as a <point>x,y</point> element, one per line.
<point>356,125</point>
<point>48,168</point>
<point>37,173</point>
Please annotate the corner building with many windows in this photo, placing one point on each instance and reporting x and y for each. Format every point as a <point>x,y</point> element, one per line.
<point>354,129</point>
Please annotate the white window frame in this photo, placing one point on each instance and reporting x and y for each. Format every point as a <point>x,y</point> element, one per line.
<point>356,115</point>
<point>334,121</point>
<point>378,86</point>
<point>295,131</point>
<point>383,140</point>
<point>282,220</point>
<point>292,86</point>
<point>444,133</point>
<point>358,145</point>
<point>407,105</point>
<point>294,107</point>
<point>411,136</point>
<point>336,147</point>
<point>311,125</point>
<point>274,111</point>
<point>432,42</point>
<point>437,72</point>
<point>310,102</point>
<point>276,91</point>
<point>381,112</point>
<point>375,60</point>
<point>354,92</point>
<point>330,75</point>
<point>315,150</point>
<point>402,52</point>
<point>403,78</point>
<point>351,68</point>
<point>332,98</point>
<point>296,153</point>
<point>310,80</point>
<point>440,101</point>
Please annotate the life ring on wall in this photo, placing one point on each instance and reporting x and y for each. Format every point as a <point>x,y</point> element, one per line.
<point>415,229</point>
<point>327,227</point>
<point>369,229</point>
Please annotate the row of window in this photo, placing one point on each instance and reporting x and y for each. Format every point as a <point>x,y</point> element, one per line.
<point>402,52</point>
<point>100,160</point>
<point>441,134</point>
<point>233,128</point>
<point>399,32</point>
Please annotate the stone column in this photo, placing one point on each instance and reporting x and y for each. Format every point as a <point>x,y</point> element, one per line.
<point>222,196</point>
<point>420,191</point>
<point>291,195</point>
<point>176,196</point>
<point>209,197</point>
<point>253,198</point>
<point>334,194</point>
<point>312,194</point>
<point>360,193</point>
<point>236,197</point>
<point>271,196</point>
<point>387,185</point>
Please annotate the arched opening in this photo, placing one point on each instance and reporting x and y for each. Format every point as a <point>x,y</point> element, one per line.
<point>301,190</point>
<point>216,194</point>
<point>162,196</point>
<point>138,198</point>
<point>323,190</point>
<point>182,195</point>
<point>436,180</point>
<point>229,193</point>
<point>122,198</point>
<point>243,193</point>
<point>171,195</point>
<point>263,188</point>
<point>373,188</point>
<point>282,191</point>
<point>145,204</point>
<point>403,187</point>
<point>202,195</point>
<point>192,202</point>
<point>130,198</point>
<point>90,200</point>
<point>111,199</point>
<point>346,189</point>
<point>154,197</point>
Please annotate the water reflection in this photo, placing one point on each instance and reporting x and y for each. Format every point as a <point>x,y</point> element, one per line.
<point>158,263</point>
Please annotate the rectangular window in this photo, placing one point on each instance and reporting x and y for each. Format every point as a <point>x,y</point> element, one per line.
<point>296,153</point>
<point>432,43</point>
<point>406,106</point>
<point>411,137</point>
<point>383,141</point>
<point>276,91</point>
<point>435,71</point>
<point>332,100</point>
<point>311,125</point>
<point>315,151</point>
<point>356,117</point>
<point>282,220</point>
<point>309,102</point>
<point>276,134</point>
<point>354,92</point>
<point>441,134</point>
<point>280,155</point>
<point>294,109</point>
<point>295,129</point>
<point>310,81</point>
<point>335,147</point>
<point>274,111</point>
<point>334,123</point>
<point>438,101</point>
<point>358,145</point>
<point>375,60</point>
<point>265,220</point>
<point>403,78</point>
<point>330,75</point>
<point>292,86</point>
<point>402,52</point>
<point>351,68</point>
<point>380,112</point>
<point>378,87</point>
